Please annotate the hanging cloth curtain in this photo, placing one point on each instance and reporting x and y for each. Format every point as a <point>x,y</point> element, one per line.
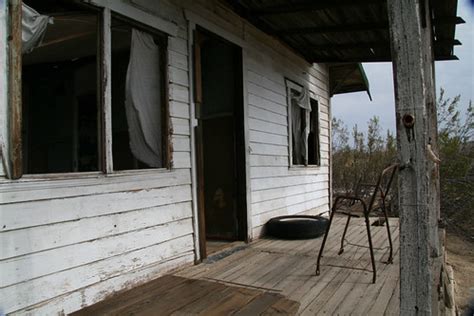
<point>300,109</point>
<point>33,28</point>
<point>143,99</point>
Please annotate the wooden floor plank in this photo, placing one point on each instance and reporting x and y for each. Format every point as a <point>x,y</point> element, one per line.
<point>273,276</point>
<point>128,298</point>
<point>173,299</point>
<point>282,307</point>
<point>352,257</point>
<point>357,293</point>
<point>328,304</point>
<point>259,304</point>
<point>195,307</point>
<point>393,306</point>
<point>232,303</point>
<point>329,274</point>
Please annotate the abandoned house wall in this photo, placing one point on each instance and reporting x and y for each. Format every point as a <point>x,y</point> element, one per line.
<point>275,189</point>
<point>71,241</point>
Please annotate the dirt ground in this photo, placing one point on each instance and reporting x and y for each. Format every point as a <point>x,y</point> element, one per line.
<point>461,257</point>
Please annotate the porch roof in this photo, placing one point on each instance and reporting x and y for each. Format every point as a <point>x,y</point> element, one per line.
<point>343,31</point>
<point>335,31</point>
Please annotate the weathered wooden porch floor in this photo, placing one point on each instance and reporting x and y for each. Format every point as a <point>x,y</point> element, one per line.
<point>277,277</point>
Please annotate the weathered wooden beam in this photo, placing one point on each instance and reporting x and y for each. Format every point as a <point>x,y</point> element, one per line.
<point>366,59</point>
<point>342,28</point>
<point>106,87</point>
<point>368,45</point>
<point>443,20</point>
<point>312,6</point>
<point>14,82</point>
<point>356,27</point>
<point>415,102</point>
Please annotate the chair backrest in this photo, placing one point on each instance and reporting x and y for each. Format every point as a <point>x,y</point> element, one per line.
<point>384,183</point>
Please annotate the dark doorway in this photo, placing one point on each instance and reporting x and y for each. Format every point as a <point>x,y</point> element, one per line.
<point>219,141</point>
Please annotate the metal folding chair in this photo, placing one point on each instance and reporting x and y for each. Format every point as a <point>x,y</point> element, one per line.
<point>362,203</point>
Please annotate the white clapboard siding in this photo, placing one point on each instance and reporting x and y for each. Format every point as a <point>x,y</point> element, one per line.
<point>178,76</point>
<point>181,143</point>
<point>308,208</point>
<point>266,160</point>
<point>178,45</point>
<point>41,289</point>
<point>39,263</point>
<point>267,116</point>
<point>178,93</point>
<point>39,238</point>
<point>270,205</point>
<point>271,128</point>
<point>296,208</point>
<point>34,213</point>
<point>73,301</point>
<point>258,79</point>
<point>179,109</point>
<point>28,190</point>
<point>110,232</point>
<point>257,101</point>
<point>314,206</point>
<point>266,172</point>
<point>181,159</point>
<point>267,149</point>
<point>275,193</point>
<point>276,182</point>
<point>178,60</point>
<point>180,126</point>
<point>267,138</point>
<point>269,95</point>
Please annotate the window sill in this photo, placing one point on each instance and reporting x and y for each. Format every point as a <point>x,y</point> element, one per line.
<point>27,178</point>
<point>302,167</point>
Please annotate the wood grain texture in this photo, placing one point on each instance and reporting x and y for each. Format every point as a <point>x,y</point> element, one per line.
<point>413,66</point>
<point>110,232</point>
<point>5,166</point>
<point>275,277</point>
<point>174,295</point>
<point>15,89</point>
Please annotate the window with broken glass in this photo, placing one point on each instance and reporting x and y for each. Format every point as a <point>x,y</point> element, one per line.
<point>74,117</point>
<point>303,112</point>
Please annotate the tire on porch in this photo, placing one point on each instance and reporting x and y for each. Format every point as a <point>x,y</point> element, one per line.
<point>296,226</point>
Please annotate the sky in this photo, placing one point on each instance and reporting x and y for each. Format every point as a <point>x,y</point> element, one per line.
<point>456,78</point>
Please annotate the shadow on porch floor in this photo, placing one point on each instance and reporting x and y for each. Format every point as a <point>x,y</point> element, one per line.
<point>276,277</point>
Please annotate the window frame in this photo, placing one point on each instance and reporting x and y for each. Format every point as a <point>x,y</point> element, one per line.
<point>292,85</point>
<point>104,61</point>
<point>317,99</point>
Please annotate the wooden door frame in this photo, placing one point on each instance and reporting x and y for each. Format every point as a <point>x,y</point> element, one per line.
<point>196,134</point>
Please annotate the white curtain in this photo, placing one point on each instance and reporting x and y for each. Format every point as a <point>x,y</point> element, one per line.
<point>143,99</point>
<point>300,136</point>
<point>33,28</point>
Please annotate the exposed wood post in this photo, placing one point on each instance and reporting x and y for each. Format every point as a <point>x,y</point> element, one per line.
<point>14,82</point>
<point>415,98</point>
<point>106,87</point>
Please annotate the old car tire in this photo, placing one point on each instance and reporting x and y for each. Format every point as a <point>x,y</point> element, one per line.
<point>296,226</point>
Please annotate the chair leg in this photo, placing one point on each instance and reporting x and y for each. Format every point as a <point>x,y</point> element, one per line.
<point>390,257</point>
<point>324,240</point>
<point>344,235</point>
<point>369,237</point>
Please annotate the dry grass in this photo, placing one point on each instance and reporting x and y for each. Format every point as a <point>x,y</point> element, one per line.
<point>461,257</point>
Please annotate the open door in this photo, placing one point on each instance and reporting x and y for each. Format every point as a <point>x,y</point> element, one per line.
<point>219,140</point>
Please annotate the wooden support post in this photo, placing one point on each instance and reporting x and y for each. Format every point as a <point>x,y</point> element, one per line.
<point>106,87</point>
<point>14,82</point>
<point>415,97</point>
